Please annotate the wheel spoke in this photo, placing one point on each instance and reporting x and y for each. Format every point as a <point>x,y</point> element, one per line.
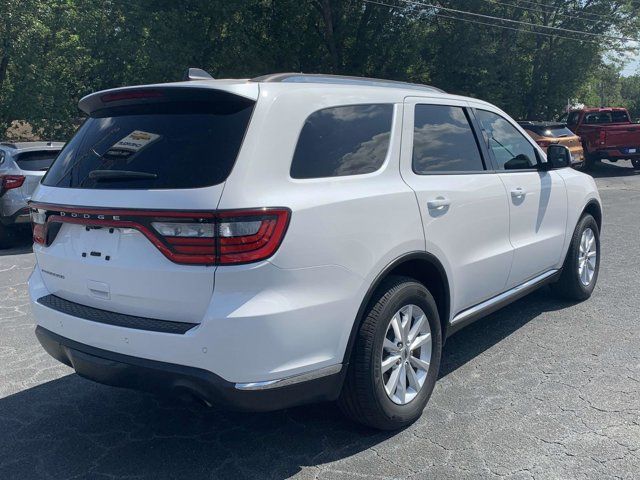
<point>421,340</point>
<point>406,324</point>
<point>390,346</point>
<point>417,326</point>
<point>389,362</point>
<point>419,363</point>
<point>392,383</point>
<point>401,391</point>
<point>397,327</point>
<point>413,378</point>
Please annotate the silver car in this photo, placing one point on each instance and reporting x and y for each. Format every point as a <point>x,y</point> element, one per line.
<point>22,165</point>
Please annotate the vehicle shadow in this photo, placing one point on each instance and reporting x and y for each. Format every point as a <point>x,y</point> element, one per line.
<point>71,427</point>
<point>20,243</point>
<point>621,168</point>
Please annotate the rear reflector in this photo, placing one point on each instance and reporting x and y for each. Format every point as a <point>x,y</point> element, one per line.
<point>229,237</point>
<point>7,182</point>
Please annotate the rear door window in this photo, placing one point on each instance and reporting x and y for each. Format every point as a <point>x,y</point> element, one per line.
<point>443,141</point>
<point>165,146</point>
<point>345,140</point>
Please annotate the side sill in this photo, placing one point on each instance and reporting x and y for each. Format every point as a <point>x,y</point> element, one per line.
<point>283,382</point>
<point>487,307</point>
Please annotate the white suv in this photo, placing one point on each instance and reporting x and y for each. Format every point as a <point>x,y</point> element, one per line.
<point>296,238</point>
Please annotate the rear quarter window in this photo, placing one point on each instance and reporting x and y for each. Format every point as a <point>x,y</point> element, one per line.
<point>344,140</point>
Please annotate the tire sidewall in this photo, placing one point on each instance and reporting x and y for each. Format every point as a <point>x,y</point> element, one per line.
<point>586,222</point>
<point>408,293</point>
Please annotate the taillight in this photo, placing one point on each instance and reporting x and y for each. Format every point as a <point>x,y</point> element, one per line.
<point>603,137</point>
<point>229,237</point>
<point>38,224</point>
<point>544,143</point>
<point>130,95</point>
<point>250,236</point>
<point>7,182</point>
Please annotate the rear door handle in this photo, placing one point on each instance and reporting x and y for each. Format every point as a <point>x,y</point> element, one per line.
<point>438,203</point>
<point>518,192</point>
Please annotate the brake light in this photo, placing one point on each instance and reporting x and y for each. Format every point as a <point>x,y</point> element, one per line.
<point>38,224</point>
<point>130,95</point>
<point>10,181</point>
<point>544,143</point>
<point>250,236</point>
<point>603,137</point>
<point>196,238</point>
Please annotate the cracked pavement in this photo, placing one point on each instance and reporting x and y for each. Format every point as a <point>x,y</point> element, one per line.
<point>541,389</point>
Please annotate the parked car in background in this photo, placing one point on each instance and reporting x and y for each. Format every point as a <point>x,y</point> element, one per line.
<point>554,133</point>
<point>606,133</point>
<point>296,238</point>
<point>22,165</point>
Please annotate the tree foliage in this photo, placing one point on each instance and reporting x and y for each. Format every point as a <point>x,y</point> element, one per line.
<point>52,52</point>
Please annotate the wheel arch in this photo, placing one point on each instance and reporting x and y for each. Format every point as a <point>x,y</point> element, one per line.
<point>595,210</point>
<point>425,268</point>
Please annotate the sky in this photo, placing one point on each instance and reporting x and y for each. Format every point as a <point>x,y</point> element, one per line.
<point>632,67</point>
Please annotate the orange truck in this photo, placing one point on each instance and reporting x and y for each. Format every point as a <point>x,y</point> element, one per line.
<point>606,133</point>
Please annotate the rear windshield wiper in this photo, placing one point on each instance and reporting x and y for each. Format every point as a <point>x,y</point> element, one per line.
<point>106,175</point>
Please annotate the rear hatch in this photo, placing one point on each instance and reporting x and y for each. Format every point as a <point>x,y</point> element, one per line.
<point>123,219</point>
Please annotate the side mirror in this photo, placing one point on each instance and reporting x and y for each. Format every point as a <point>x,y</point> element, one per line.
<point>558,156</point>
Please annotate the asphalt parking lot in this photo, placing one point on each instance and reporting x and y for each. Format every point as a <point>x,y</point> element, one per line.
<point>540,389</point>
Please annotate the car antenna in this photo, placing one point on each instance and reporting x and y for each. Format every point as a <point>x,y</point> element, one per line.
<point>197,74</point>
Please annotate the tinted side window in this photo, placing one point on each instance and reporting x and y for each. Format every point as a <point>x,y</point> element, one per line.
<point>510,148</point>
<point>338,141</point>
<point>443,141</point>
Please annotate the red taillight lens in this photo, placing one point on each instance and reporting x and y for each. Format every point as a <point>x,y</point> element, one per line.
<point>195,238</point>
<point>7,182</point>
<point>38,224</point>
<point>250,236</point>
<point>130,95</point>
<point>603,137</point>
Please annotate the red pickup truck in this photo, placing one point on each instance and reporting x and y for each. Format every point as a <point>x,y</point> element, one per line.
<point>606,133</point>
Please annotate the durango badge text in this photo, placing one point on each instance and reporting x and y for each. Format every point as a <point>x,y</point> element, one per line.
<point>294,238</point>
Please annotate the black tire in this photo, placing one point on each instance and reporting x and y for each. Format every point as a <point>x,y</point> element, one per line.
<point>636,163</point>
<point>569,286</point>
<point>6,236</point>
<point>363,396</point>
<point>589,162</point>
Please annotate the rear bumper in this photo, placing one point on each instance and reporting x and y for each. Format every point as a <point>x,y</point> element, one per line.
<point>617,154</point>
<point>125,371</point>
<point>17,218</point>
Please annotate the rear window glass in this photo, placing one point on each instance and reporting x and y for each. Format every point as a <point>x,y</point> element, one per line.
<point>606,117</point>
<point>168,146</point>
<point>552,131</point>
<point>36,160</point>
<point>346,140</point>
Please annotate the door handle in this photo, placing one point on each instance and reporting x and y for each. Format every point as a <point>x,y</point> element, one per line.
<point>438,203</point>
<point>518,192</point>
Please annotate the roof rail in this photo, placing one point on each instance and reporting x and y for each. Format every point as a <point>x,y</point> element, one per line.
<point>341,80</point>
<point>8,144</point>
<point>197,74</point>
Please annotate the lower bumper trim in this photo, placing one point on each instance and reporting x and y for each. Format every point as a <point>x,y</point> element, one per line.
<point>125,371</point>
